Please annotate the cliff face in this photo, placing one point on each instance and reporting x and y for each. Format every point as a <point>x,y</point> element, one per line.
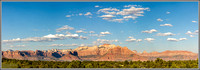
<point>104,52</point>
<point>39,55</point>
<point>120,54</point>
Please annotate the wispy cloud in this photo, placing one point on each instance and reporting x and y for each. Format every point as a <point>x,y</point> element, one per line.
<point>192,34</point>
<point>68,16</point>
<point>46,38</point>
<point>194,21</point>
<point>65,27</point>
<point>107,17</point>
<point>130,5</point>
<point>117,15</point>
<point>176,40</point>
<point>83,37</point>
<point>132,39</point>
<point>73,36</point>
<point>170,25</point>
<point>97,35</point>
<point>159,19</point>
<point>168,12</point>
<point>62,45</point>
<point>105,33</point>
<point>96,6</point>
<point>149,31</point>
<point>149,39</point>
<point>88,13</point>
<point>172,39</point>
<point>165,34</point>
<point>81,31</point>
<point>103,41</point>
<point>17,46</point>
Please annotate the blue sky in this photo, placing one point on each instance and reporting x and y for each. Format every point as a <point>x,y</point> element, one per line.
<point>149,26</point>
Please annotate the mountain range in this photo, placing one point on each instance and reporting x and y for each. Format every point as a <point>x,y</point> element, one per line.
<point>105,52</point>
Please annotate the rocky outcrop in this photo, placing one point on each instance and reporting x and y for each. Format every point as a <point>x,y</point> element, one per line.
<point>70,56</point>
<point>105,52</point>
<point>39,55</point>
<point>120,54</point>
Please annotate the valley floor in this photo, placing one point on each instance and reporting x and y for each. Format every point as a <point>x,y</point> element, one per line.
<point>158,63</point>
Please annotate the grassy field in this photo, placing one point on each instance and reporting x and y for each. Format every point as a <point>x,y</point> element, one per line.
<point>9,65</point>
<point>158,63</point>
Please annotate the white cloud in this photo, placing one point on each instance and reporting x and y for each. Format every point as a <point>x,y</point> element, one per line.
<point>172,39</point>
<point>31,39</point>
<point>97,35</point>
<point>17,46</point>
<point>84,38</point>
<point>130,5</point>
<point>129,12</point>
<point>191,34</point>
<point>103,41</point>
<point>166,25</point>
<point>132,39</point>
<point>88,13</point>
<point>73,36</point>
<point>149,31</point>
<point>60,45</point>
<point>82,45</point>
<point>107,17</point>
<point>132,11</point>
<point>167,12</point>
<point>96,6</point>
<point>194,21</point>
<point>128,17</point>
<point>66,27</point>
<point>54,36</point>
<point>165,34</point>
<point>110,18</point>
<point>197,31</point>
<point>176,40</point>
<point>117,20</point>
<point>105,33</point>
<point>182,39</point>
<point>80,31</point>
<point>159,19</point>
<point>108,11</point>
<point>68,16</point>
<point>93,35</point>
<point>46,38</point>
<point>149,39</point>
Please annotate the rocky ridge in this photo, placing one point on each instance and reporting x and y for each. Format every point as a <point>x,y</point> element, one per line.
<point>105,52</point>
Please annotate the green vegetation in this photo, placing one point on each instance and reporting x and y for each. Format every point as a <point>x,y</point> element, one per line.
<point>11,65</point>
<point>158,63</point>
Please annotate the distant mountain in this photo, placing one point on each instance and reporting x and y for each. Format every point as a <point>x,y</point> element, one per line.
<point>105,52</point>
<point>171,55</point>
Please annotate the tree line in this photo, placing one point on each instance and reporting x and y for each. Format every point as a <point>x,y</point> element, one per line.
<point>158,63</point>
